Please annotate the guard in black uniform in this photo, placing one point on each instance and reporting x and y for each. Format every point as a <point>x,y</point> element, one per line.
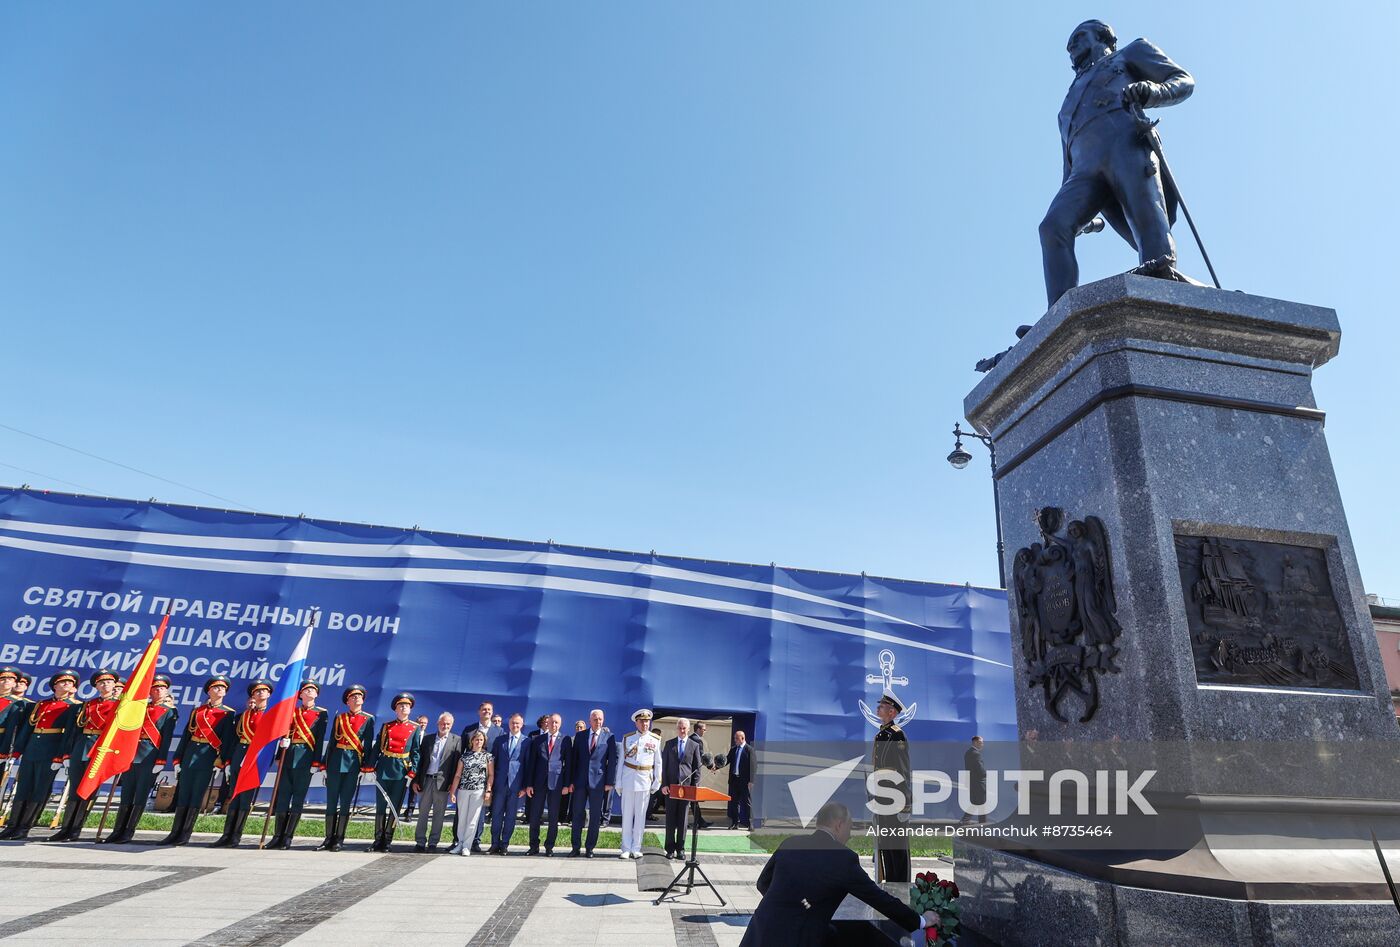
<point>891,751</point>
<point>152,750</point>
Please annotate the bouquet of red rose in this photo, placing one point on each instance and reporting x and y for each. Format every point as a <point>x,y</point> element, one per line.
<point>931,894</point>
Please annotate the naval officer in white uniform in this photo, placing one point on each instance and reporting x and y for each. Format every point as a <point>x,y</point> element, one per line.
<point>638,776</point>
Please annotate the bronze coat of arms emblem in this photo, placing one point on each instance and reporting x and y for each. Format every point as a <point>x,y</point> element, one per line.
<point>1065,607</point>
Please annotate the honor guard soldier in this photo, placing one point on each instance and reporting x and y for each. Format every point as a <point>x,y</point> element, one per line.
<point>638,776</point>
<point>245,727</point>
<point>890,751</point>
<point>44,741</point>
<point>352,735</point>
<point>11,719</point>
<point>208,734</point>
<point>152,750</point>
<point>8,678</point>
<point>395,763</point>
<point>92,722</point>
<point>301,752</point>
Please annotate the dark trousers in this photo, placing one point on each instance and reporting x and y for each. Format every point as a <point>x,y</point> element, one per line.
<point>394,789</point>
<point>35,779</point>
<point>296,779</point>
<point>676,825</point>
<point>503,805</point>
<point>1108,162</point>
<point>894,862</point>
<point>739,804</point>
<point>587,805</point>
<point>244,800</point>
<point>137,783</point>
<point>893,847</point>
<point>341,789</point>
<point>542,799</point>
<point>196,773</point>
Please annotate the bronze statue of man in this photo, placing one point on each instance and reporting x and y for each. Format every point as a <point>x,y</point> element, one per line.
<point>1110,167</point>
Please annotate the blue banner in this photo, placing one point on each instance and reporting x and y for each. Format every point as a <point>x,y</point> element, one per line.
<point>453,619</point>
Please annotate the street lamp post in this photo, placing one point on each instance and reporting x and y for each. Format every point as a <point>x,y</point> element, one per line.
<point>960,458</point>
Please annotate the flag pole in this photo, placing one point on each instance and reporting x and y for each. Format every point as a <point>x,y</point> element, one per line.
<point>277,781</point>
<point>107,806</point>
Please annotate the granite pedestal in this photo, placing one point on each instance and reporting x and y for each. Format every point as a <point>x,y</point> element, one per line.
<point>1183,418</point>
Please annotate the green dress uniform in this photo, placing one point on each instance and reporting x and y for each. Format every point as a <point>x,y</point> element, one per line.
<point>203,748</point>
<point>92,723</point>
<point>891,751</point>
<point>152,750</point>
<point>12,714</point>
<point>395,763</point>
<point>245,727</point>
<point>44,740</point>
<point>302,754</point>
<point>8,703</point>
<point>348,754</point>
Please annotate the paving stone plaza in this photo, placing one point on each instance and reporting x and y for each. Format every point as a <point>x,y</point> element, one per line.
<point>84,894</point>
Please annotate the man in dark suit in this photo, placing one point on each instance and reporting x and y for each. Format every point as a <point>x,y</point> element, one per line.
<point>680,764</point>
<point>741,767</point>
<point>976,779</point>
<point>484,723</point>
<point>509,755</point>
<point>590,778</point>
<point>697,737</point>
<point>545,774</point>
<point>437,764</point>
<point>805,881</point>
<point>1109,168</point>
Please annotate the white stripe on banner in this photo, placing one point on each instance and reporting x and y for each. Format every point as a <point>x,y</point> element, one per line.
<point>465,577</point>
<point>138,537</point>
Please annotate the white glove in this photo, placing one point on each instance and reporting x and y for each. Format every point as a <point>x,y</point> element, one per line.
<point>284,742</point>
<point>56,767</point>
<point>157,768</point>
<point>177,769</point>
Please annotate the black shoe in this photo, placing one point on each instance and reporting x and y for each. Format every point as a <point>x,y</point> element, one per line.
<point>73,819</point>
<point>574,853</point>
<point>176,821</point>
<point>588,854</point>
<point>549,853</point>
<point>22,816</point>
<point>420,849</point>
<point>533,851</point>
<point>233,830</point>
<point>292,819</point>
<point>279,835</point>
<point>733,826</point>
<point>476,848</point>
<point>329,840</point>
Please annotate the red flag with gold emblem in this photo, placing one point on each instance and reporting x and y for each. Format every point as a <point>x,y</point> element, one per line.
<point>114,752</point>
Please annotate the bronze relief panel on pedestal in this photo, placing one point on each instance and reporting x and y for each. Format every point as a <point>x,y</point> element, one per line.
<point>1263,614</point>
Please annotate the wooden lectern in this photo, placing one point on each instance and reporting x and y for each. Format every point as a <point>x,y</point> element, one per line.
<point>693,795</point>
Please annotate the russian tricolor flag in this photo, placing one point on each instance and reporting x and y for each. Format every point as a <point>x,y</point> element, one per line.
<point>276,721</point>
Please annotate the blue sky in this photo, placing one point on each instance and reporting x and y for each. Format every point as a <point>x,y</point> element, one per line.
<point>701,278</point>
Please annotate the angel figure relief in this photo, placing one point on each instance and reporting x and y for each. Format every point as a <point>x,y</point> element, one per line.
<point>1065,608</point>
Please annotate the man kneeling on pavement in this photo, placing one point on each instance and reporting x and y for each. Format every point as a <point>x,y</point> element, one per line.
<point>806,880</point>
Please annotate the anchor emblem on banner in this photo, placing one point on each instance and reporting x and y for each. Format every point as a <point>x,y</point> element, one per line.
<point>887,680</point>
